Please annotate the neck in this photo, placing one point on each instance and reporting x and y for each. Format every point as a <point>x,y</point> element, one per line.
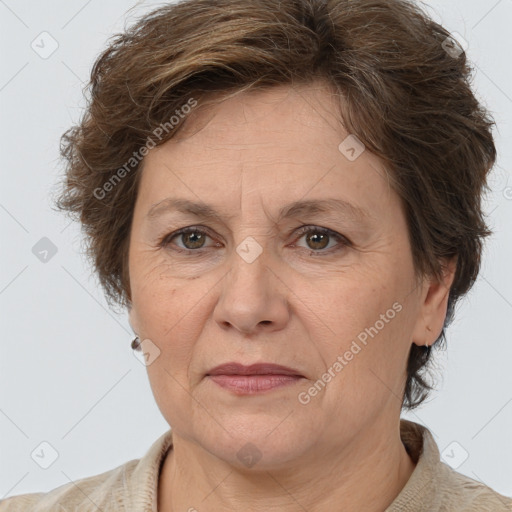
<point>367,475</point>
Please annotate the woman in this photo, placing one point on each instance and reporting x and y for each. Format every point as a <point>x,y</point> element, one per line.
<point>286,197</point>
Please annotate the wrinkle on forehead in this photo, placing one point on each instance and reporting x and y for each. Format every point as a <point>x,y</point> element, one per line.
<point>256,103</point>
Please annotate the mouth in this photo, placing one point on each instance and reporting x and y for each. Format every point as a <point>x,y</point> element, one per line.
<point>256,378</point>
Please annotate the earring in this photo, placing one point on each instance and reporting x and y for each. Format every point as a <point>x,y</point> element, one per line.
<point>136,343</point>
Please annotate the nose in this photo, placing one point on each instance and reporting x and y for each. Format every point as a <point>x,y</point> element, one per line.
<point>253,297</point>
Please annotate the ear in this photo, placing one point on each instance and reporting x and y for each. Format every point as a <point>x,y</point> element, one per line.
<point>433,306</point>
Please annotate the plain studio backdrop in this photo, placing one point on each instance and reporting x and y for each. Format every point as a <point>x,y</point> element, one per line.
<point>70,385</point>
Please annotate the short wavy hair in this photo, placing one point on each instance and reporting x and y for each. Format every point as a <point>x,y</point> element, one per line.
<point>405,84</point>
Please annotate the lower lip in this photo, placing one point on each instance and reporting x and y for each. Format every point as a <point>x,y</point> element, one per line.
<point>252,384</point>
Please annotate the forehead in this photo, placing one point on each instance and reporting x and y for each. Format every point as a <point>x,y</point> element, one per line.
<point>295,107</point>
<point>282,144</point>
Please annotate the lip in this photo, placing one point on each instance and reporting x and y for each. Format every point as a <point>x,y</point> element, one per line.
<point>234,368</point>
<point>253,379</point>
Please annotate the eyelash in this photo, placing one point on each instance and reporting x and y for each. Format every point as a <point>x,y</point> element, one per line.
<point>343,241</point>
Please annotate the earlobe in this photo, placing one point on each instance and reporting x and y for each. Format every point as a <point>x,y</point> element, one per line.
<point>433,308</point>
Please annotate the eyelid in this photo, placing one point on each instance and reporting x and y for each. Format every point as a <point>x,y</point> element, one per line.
<point>334,234</point>
<point>300,231</point>
<point>166,240</point>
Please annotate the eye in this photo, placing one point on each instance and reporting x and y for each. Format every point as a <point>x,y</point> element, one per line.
<point>318,238</point>
<point>192,237</point>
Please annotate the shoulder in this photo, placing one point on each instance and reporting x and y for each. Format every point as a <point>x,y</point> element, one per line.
<point>464,494</point>
<point>434,486</point>
<point>131,486</point>
<point>98,492</point>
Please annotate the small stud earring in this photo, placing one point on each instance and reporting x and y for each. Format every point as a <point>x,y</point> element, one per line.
<point>136,343</point>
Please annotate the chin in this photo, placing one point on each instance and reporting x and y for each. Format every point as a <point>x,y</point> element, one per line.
<point>258,443</point>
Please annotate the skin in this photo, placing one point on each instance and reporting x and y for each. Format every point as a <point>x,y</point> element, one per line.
<point>300,303</point>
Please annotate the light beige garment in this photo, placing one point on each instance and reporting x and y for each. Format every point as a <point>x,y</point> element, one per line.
<point>132,487</point>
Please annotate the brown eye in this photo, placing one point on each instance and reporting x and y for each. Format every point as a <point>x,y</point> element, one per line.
<point>193,239</point>
<point>317,239</point>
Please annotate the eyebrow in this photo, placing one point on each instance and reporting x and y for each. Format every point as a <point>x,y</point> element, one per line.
<point>296,209</point>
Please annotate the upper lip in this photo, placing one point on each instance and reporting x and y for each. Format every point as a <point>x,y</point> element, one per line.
<point>254,369</point>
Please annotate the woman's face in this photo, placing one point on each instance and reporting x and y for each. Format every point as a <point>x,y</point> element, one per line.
<point>341,307</point>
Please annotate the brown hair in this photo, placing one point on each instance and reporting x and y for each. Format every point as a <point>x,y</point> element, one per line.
<point>407,97</point>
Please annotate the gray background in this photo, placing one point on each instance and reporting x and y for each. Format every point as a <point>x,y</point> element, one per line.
<point>67,373</point>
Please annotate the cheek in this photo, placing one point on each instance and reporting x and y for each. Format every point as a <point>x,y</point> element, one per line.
<point>168,313</point>
<point>346,304</point>
<point>152,293</point>
<point>365,319</point>
<point>171,313</point>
